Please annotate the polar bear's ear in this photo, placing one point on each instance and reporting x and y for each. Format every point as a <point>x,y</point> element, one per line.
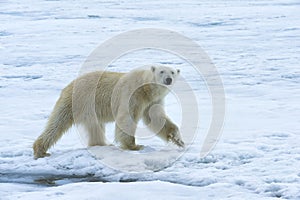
<point>153,68</point>
<point>178,71</point>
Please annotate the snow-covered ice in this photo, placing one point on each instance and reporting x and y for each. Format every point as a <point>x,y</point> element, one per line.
<point>254,44</point>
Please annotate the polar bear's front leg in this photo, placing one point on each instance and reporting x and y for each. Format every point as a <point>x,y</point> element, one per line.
<point>170,133</point>
<point>156,119</point>
<point>125,131</point>
<point>126,141</point>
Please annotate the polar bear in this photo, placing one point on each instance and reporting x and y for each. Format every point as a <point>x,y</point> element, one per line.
<point>99,97</point>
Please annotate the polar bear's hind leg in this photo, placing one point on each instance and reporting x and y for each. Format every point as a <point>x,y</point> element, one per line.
<point>60,120</point>
<point>96,134</point>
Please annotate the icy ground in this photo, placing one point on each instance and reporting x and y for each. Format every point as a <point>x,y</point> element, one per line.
<point>255,46</point>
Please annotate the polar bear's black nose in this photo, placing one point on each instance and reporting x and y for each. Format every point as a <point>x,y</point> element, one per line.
<point>168,81</point>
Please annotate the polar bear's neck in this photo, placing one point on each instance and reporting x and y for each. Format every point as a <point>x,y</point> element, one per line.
<point>142,84</point>
<point>153,91</point>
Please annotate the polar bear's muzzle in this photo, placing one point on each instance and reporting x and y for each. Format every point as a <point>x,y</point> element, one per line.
<point>168,81</point>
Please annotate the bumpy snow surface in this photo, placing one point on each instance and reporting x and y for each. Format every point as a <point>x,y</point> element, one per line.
<point>255,46</point>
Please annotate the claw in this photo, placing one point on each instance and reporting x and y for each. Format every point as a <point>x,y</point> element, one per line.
<point>176,140</point>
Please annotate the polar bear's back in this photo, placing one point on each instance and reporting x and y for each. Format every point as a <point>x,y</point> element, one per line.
<point>92,92</point>
<point>97,91</point>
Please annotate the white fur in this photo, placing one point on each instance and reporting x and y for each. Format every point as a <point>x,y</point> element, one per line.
<point>100,97</point>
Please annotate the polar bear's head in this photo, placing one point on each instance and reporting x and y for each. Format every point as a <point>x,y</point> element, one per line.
<point>165,75</point>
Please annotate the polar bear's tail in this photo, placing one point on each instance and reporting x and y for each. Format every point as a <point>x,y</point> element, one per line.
<point>60,120</point>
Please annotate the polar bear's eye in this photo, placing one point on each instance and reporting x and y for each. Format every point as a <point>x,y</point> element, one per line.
<point>161,72</point>
<point>172,72</point>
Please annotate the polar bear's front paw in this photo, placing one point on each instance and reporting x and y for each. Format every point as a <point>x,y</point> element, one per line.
<point>175,138</point>
<point>178,142</point>
<point>133,147</point>
<point>138,147</point>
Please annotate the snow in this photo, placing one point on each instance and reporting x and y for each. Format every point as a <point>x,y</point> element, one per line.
<point>159,190</point>
<point>254,45</point>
